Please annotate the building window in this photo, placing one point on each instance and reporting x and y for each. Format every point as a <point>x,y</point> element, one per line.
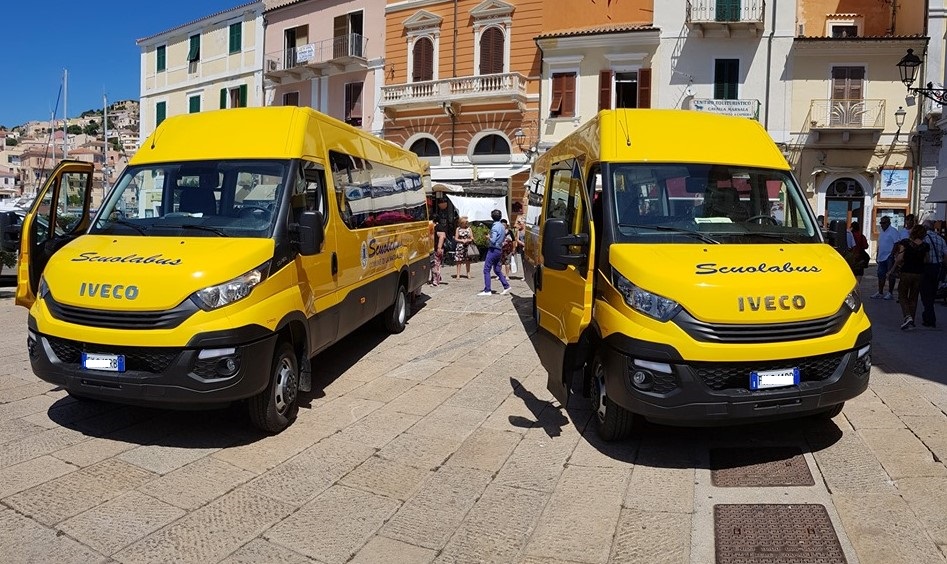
<point>839,31</point>
<point>291,99</point>
<point>491,51</point>
<point>295,37</point>
<point>347,34</point>
<point>194,52</point>
<point>236,37</point>
<point>161,112</point>
<point>563,95</point>
<point>233,97</point>
<point>728,11</point>
<point>161,54</point>
<point>194,104</point>
<point>848,88</point>
<point>492,145</point>
<point>423,63</point>
<point>353,103</point>
<point>726,79</point>
<point>425,147</point>
<point>632,89</point>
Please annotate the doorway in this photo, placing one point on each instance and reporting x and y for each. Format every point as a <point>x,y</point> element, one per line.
<point>845,203</point>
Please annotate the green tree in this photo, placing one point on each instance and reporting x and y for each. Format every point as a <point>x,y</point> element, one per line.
<point>74,130</point>
<point>11,142</point>
<point>116,146</point>
<point>92,128</point>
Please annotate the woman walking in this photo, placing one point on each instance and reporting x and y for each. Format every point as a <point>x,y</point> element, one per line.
<point>910,258</point>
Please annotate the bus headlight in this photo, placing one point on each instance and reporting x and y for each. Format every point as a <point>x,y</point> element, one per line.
<point>648,303</point>
<point>42,290</point>
<point>213,297</point>
<point>853,301</point>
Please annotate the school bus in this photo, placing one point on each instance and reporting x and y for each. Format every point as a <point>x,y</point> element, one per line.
<point>231,250</point>
<point>679,275</point>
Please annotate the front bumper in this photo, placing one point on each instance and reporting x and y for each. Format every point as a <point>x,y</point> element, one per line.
<point>715,393</point>
<point>213,369</point>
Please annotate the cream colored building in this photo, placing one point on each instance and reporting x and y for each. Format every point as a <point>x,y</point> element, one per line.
<point>211,63</point>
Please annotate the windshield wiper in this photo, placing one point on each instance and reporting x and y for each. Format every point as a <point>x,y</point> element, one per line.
<point>127,223</point>
<point>782,238</point>
<point>197,227</point>
<point>688,232</point>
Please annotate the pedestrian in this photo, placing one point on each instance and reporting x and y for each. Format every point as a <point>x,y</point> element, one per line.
<point>463,236</point>
<point>494,255</point>
<point>440,239</point>
<point>937,256</point>
<point>910,259</point>
<point>857,254</point>
<point>888,237</point>
<point>520,233</point>
<point>509,245</point>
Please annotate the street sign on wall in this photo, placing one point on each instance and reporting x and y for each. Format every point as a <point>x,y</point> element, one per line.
<point>740,108</point>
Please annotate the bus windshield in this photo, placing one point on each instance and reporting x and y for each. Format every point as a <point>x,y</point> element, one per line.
<point>220,198</point>
<point>700,203</point>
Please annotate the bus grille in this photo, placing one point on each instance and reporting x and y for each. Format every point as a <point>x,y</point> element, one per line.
<point>761,332</point>
<point>111,319</point>
<point>720,376</point>
<point>142,359</point>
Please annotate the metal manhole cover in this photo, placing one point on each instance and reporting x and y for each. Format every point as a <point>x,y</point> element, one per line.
<point>775,534</point>
<point>761,466</point>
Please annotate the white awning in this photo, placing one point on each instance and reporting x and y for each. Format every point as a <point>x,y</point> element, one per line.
<point>938,193</point>
<point>445,187</point>
<point>478,209</point>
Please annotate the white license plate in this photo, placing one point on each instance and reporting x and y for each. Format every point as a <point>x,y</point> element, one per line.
<point>774,378</point>
<point>107,362</point>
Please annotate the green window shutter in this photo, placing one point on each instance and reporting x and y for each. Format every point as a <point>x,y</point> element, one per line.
<point>160,113</point>
<point>236,37</point>
<point>223,98</point>
<point>243,95</point>
<point>194,104</point>
<point>162,62</point>
<point>726,79</point>
<point>194,53</point>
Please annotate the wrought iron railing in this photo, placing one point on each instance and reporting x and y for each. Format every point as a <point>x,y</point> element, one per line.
<point>703,11</point>
<point>847,114</point>
<point>351,45</point>
<point>513,84</point>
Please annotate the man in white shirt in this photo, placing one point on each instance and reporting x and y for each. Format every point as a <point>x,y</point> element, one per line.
<point>888,237</point>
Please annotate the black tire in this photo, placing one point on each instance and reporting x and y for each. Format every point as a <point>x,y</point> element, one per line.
<point>396,316</point>
<point>831,412</point>
<point>612,421</point>
<point>273,409</point>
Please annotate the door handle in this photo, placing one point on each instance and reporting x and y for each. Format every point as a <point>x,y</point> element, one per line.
<point>335,264</point>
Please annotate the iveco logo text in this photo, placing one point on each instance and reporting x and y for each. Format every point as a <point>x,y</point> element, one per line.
<point>771,303</point>
<point>714,268</point>
<point>113,291</point>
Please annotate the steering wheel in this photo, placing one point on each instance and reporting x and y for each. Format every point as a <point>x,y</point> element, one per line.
<point>760,218</point>
<point>256,212</point>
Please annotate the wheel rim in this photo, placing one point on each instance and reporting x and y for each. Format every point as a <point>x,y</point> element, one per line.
<point>402,309</point>
<point>286,385</point>
<point>598,391</point>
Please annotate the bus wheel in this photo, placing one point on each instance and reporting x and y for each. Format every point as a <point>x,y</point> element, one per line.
<point>612,421</point>
<point>396,316</point>
<point>273,409</point>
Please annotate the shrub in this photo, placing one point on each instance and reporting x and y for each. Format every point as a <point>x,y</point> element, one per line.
<point>481,235</point>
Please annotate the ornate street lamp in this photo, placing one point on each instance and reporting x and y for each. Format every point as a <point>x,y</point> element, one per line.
<point>908,67</point>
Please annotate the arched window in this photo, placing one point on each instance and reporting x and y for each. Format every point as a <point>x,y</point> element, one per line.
<point>491,51</point>
<point>425,147</point>
<point>423,63</point>
<point>845,188</point>
<point>492,145</point>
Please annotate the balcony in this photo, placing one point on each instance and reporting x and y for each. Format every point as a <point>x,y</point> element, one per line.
<point>330,56</point>
<point>447,92</point>
<point>842,120</point>
<point>726,18</point>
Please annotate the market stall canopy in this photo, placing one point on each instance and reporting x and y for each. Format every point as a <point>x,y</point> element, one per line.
<point>477,209</point>
<point>449,188</point>
<point>938,193</point>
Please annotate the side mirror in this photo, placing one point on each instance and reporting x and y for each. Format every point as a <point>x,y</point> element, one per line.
<point>309,233</point>
<point>556,242</point>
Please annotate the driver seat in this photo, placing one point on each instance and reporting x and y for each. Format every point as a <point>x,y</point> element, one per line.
<point>200,199</point>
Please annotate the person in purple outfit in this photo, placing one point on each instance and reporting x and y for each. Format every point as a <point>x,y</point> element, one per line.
<point>494,256</point>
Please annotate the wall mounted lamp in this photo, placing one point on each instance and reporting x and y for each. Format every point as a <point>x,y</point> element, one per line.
<point>908,67</point>
<point>519,136</point>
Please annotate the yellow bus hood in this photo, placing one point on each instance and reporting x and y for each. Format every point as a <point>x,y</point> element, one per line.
<point>147,273</point>
<point>740,283</point>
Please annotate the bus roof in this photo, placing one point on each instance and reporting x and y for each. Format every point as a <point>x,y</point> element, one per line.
<point>673,136</point>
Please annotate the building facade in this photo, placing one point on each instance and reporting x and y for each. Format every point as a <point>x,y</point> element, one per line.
<point>214,62</point>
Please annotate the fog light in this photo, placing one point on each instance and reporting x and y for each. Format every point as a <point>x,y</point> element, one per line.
<point>642,379</point>
<point>227,366</point>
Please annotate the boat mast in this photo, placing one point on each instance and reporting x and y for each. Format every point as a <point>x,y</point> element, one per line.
<point>65,113</point>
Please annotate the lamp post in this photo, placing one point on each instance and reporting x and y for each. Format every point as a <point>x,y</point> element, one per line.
<point>908,67</point>
<point>899,120</point>
<point>519,136</point>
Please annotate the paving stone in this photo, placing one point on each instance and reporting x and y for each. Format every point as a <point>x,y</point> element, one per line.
<point>663,478</point>
<point>73,493</point>
<point>121,521</point>
<point>497,527</point>
<point>904,399</point>
<point>932,431</point>
<point>538,461</point>
<point>387,478</point>
<point>13,429</point>
<point>8,381</point>
<point>191,486</point>
<point>91,451</point>
<point>485,449</point>
<point>40,419</point>
<point>379,428</point>
<point>882,528</point>
<point>421,399</point>
<point>652,537</point>
<point>311,472</point>
<point>453,376</point>
<point>24,540</point>
<point>332,527</point>
<point>481,394</point>
<point>867,411</point>
<point>26,406</point>
<point>927,498</point>
<point>383,389</point>
<point>417,370</point>
<point>902,454</point>
<point>390,551</point>
<point>32,446</point>
<point>27,474</point>
<point>580,519</point>
<point>210,533</point>
<point>260,551</point>
<point>25,390</point>
<point>450,422</point>
<point>591,450</point>
<point>846,463</point>
<point>420,451</point>
<point>432,515</point>
<point>522,411</point>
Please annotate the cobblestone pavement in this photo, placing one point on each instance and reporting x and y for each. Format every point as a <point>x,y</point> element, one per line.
<point>441,444</point>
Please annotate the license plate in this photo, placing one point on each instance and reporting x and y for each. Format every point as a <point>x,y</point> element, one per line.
<point>765,379</point>
<point>107,362</point>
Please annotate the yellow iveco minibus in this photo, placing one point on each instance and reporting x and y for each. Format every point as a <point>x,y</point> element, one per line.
<point>679,275</point>
<point>235,246</point>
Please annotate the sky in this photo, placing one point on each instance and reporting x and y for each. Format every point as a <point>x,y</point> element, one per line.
<point>94,40</point>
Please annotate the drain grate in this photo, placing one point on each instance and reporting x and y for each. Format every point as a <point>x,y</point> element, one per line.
<point>775,534</point>
<point>763,466</point>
